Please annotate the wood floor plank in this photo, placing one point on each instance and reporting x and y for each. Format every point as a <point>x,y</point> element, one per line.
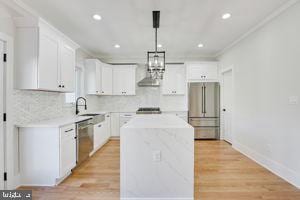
<point>221,173</point>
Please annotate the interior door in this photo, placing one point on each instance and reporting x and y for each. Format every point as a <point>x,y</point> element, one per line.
<point>1,116</point>
<point>227,106</point>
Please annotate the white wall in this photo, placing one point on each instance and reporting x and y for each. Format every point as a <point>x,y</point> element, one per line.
<point>266,74</point>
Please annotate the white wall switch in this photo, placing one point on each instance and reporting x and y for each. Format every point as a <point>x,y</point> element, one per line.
<point>156,156</point>
<point>293,100</point>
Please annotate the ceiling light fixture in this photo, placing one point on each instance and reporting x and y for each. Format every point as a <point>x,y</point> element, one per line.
<point>159,46</point>
<point>117,46</point>
<point>156,59</point>
<point>226,16</point>
<point>97,17</point>
<point>200,45</point>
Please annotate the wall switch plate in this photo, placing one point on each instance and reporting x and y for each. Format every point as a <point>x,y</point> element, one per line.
<point>156,156</point>
<point>293,100</point>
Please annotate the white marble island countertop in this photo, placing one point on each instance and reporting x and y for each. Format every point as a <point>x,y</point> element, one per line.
<point>157,121</point>
<point>157,158</point>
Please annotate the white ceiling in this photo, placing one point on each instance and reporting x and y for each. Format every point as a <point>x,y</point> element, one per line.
<point>184,24</point>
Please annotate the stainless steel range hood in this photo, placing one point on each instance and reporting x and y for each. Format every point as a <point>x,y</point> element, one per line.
<point>149,82</point>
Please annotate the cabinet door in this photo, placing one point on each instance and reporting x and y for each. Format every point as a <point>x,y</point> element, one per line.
<point>115,125</point>
<point>98,135</point>
<point>108,125</point>
<point>48,63</point>
<point>67,149</point>
<point>206,71</point>
<point>124,80</point>
<point>67,68</point>
<point>106,79</point>
<point>174,80</point>
<point>92,76</point>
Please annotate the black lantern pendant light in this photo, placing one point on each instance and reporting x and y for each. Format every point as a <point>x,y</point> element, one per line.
<point>156,59</point>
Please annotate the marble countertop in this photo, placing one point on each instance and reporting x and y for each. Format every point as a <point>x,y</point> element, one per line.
<point>55,123</point>
<point>157,121</point>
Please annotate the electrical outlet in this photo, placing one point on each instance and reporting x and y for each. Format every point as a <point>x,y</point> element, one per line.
<point>156,156</point>
<point>293,100</point>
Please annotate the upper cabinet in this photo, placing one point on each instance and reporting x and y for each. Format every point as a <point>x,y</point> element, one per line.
<point>202,71</point>
<point>124,79</point>
<point>98,77</point>
<point>45,58</point>
<point>174,82</point>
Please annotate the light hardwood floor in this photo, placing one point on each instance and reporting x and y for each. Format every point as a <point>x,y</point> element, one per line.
<point>221,173</point>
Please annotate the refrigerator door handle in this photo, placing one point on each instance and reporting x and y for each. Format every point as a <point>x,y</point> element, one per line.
<point>204,99</point>
<point>202,90</point>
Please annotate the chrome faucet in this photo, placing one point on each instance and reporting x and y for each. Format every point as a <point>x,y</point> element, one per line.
<point>77,100</point>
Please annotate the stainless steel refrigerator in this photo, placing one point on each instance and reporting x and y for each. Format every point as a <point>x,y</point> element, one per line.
<point>204,109</point>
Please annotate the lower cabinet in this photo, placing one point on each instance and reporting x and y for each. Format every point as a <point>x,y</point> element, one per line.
<point>102,133</point>
<point>47,154</point>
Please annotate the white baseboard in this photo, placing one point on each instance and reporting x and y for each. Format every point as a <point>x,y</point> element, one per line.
<point>280,170</point>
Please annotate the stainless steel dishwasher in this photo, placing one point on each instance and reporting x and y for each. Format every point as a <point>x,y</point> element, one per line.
<point>85,139</point>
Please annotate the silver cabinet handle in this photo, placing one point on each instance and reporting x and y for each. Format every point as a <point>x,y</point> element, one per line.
<point>69,130</point>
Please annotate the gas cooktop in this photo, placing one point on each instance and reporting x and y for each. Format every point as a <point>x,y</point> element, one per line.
<point>149,110</point>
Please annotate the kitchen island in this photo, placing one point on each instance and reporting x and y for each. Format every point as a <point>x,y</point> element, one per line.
<point>157,158</point>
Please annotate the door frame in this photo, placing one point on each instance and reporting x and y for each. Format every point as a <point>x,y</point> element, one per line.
<point>222,120</point>
<point>10,159</point>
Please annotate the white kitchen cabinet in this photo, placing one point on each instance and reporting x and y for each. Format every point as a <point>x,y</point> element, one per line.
<point>67,69</point>
<point>47,154</point>
<point>45,58</point>
<point>107,80</point>
<point>124,79</point>
<point>67,149</point>
<point>125,117</point>
<point>174,81</point>
<point>98,77</point>
<point>108,125</point>
<point>115,125</point>
<point>99,135</point>
<point>202,71</point>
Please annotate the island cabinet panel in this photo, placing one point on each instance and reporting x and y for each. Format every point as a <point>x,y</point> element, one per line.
<point>47,155</point>
<point>44,59</point>
<point>124,79</point>
<point>157,158</point>
<point>174,81</point>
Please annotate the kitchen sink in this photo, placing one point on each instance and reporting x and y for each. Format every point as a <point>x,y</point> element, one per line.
<point>96,118</point>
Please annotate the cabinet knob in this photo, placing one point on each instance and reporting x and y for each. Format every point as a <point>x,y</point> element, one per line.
<point>59,86</point>
<point>102,92</point>
<point>63,86</point>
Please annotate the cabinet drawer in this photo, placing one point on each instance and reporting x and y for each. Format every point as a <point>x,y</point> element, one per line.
<point>68,131</point>
<point>206,133</point>
<point>196,122</point>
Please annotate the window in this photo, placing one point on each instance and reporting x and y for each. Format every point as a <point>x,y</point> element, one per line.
<point>70,98</point>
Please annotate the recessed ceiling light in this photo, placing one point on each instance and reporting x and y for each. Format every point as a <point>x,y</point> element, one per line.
<point>159,46</point>
<point>117,46</point>
<point>97,17</point>
<point>226,16</point>
<point>200,45</point>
